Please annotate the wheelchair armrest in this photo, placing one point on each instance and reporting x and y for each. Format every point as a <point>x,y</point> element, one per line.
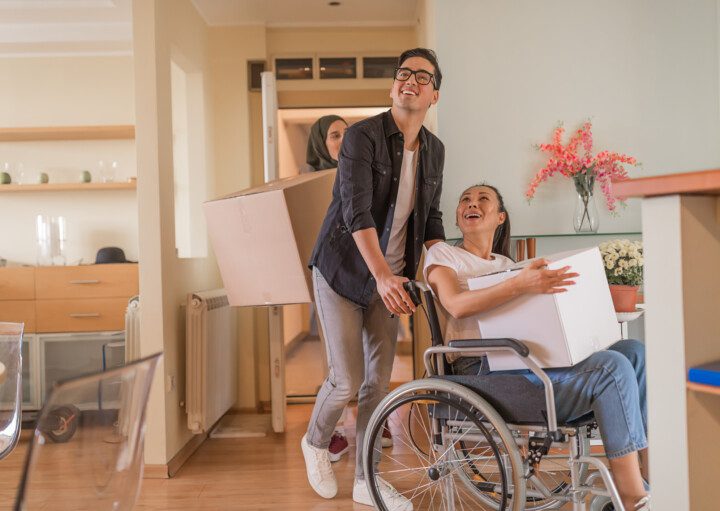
<point>516,345</point>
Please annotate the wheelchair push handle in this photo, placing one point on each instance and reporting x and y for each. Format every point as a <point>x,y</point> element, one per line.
<point>413,291</point>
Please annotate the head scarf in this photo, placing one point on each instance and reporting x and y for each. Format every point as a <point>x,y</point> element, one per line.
<point>317,155</point>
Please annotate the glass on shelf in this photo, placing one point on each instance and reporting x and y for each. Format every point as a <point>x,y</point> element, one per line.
<point>107,171</point>
<point>51,237</point>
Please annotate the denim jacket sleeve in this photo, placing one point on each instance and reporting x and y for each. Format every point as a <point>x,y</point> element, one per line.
<point>434,226</point>
<point>355,178</point>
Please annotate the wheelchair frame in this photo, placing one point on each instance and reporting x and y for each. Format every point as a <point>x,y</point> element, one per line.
<point>565,437</point>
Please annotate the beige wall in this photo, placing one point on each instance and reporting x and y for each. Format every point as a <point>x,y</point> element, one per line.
<point>311,42</point>
<point>162,29</point>
<point>236,140</point>
<point>234,146</point>
<point>645,72</point>
<point>68,91</point>
<point>339,41</point>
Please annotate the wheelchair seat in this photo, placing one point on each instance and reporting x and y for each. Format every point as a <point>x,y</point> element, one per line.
<point>502,392</point>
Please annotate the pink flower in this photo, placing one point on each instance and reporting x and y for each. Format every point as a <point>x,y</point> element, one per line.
<point>566,161</point>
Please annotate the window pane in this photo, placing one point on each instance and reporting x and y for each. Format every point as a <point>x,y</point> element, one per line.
<point>338,67</point>
<point>293,69</point>
<point>379,67</point>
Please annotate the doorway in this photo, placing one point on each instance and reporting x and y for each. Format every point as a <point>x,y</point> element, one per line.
<point>305,365</point>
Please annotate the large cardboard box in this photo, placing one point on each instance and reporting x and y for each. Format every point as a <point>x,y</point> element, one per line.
<point>560,329</point>
<point>263,238</point>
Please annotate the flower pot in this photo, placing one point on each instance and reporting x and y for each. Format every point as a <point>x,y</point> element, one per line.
<point>624,297</point>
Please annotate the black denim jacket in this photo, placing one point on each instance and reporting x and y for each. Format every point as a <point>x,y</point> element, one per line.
<point>364,196</point>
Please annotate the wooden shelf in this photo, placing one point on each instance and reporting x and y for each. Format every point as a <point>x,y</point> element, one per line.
<point>67,133</point>
<point>67,187</point>
<point>706,389</point>
<point>705,182</point>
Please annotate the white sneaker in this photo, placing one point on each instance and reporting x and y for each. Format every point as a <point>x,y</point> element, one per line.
<point>643,504</point>
<point>319,472</point>
<point>386,440</point>
<point>391,498</point>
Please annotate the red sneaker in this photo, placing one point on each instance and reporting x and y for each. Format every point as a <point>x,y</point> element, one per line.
<point>387,440</point>
<point>338,446</point>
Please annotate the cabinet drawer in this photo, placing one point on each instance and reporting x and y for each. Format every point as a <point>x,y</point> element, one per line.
<point>17,283</point>
<point>93,281</point>
<point>81,315</point>
<point>19,311</point>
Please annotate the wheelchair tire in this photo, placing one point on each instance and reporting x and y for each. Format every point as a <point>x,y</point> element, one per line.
<point>429,418</point>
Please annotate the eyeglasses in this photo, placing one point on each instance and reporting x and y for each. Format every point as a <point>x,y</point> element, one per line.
<point>403,74</point>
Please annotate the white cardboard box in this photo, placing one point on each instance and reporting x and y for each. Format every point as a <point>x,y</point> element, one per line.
<point>560,329</point>
<point>263,238</point>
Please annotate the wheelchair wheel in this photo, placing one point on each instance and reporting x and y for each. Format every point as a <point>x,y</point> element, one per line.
<point>61,423</point>
<point>431,421</point>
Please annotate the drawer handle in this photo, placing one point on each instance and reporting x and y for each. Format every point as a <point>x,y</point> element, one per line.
<point>85,315</point>
<point>84,282</point>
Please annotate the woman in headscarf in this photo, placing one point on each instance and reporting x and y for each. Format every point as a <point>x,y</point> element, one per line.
<point>323,145</point>
<point>323,148</point>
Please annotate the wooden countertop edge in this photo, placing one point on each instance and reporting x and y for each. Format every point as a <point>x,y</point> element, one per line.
<point>705,182</point>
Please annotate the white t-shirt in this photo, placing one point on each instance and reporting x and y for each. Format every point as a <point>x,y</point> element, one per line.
<point>404,204</point>
<point>466,265</point>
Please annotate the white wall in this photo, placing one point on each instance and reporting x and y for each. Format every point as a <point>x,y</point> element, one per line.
<point>68,91</point>
<point>646,72</point>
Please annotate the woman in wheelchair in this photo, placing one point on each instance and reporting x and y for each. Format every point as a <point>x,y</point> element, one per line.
<point>610,383</point>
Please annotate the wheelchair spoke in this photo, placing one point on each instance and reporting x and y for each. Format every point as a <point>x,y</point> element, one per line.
<point>426,465</point>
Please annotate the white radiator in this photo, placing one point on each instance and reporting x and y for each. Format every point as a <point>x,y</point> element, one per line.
<point>211,359</point>
<point>132,330</point>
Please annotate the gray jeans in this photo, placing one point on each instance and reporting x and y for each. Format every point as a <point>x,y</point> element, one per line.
<point>360,352</point>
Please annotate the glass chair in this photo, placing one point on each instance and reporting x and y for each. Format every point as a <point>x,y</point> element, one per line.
<point>94,461</point>
<point>10,385</point>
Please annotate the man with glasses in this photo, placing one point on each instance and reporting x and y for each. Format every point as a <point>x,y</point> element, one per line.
<point>385,206</point>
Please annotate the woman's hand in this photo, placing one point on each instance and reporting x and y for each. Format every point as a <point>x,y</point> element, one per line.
<point>391,290</point>
<point>537,279</point>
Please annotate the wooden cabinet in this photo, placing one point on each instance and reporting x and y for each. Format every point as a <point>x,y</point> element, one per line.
<point>17,296</point>
<point>74,320</point>
<point>81,315</point>
<point>92,281</point>
<point>681,235</point>
<point>17,283</point>
<point>68,298</point>
<point>19,311</point>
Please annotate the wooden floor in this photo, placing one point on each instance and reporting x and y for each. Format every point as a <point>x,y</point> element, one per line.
<point>227,474</point>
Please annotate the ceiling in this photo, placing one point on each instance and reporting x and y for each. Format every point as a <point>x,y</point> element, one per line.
<point>56,27</point>
<point>307,12</point>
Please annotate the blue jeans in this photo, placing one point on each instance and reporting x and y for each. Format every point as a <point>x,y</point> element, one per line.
<point>609,383</point>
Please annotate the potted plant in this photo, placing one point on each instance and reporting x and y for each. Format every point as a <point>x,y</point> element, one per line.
<point>624,270</point>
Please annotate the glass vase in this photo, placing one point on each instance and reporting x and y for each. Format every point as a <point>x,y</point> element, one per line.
<point>586,217</point>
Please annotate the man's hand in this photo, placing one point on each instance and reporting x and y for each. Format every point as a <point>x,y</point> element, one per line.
<point>391,290</point>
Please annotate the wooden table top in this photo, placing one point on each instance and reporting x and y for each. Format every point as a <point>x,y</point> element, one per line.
<point>706,182</point>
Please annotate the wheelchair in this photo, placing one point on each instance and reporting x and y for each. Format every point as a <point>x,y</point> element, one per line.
<point>489,442</point>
